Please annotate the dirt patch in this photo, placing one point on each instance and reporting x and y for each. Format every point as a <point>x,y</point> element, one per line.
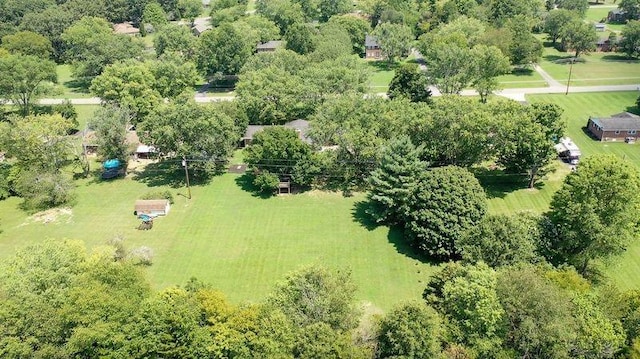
<point>54,215</point>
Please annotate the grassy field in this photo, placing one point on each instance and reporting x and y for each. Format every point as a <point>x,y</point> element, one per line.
<point>67,86</point>
<point>243,244</point>
<point>624,270</point>
<point>599,14</point>
<point>522,78</point>
<point>599,69</point>
<point>240,243</point>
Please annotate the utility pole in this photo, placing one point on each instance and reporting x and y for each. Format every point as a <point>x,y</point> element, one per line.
<point>186,175</point>
<point>570,69</point>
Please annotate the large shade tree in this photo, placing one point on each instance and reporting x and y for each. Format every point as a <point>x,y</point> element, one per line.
<point>594,214</point>
<point>25,78</point>
<point>447,202</point>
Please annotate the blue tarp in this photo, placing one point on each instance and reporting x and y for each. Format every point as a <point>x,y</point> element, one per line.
<point>114,163</point>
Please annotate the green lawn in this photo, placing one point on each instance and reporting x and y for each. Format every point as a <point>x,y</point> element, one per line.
<point>599,69</point>
<point>522,78</point>
<point>624,270</point>
<point>381,75</point>
<point>599,14</point>
<point>68,87</point>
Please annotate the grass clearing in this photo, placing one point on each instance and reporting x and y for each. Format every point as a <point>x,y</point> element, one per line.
<point>67,86</point>
<point>600,68</point>
<point>522,78</point>
<point>625,269</point>
<point>381,75</point>
<point>599,15</point>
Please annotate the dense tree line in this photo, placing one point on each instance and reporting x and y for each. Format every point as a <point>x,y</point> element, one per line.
<point>61,301</point>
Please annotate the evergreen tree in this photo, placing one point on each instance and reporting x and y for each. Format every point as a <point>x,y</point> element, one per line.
<point>394,180</point>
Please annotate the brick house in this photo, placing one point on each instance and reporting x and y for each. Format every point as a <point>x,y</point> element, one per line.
<point>619,127</point>
<point>372,48</point>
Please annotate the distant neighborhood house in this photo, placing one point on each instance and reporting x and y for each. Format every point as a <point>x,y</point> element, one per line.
<point>126,28</point>
<point>201,25</point>
<point>616,15</point>
<point>372,48</point>
<point>619,127</point>
<point>300,126</point>
<point>139,150</point>
<point>269,46</point>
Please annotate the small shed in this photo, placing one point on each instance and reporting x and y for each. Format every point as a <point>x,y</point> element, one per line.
<point>600,27</point>
<point>201,25</point>
<point>152,207</point>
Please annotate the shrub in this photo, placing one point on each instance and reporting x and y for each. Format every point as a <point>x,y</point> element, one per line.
<point>159,195</point>
<point>142,255</point>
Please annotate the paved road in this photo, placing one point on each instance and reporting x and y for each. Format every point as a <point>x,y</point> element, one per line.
<point>516,94</point>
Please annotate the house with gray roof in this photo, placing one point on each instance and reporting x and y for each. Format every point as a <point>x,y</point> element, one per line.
<point>300,126</point>
<point>269,46</point>
<point>372,48</point>
<point>623,126</point>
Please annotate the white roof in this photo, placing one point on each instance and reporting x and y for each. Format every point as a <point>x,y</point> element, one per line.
<point>145,149</point>
<point>566,144</point>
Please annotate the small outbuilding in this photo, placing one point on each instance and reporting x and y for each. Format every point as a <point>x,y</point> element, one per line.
<point>152,207</point>
<point>126,28</point>
<point>600,27</point>
<point>623,126</point>
<point>616,15</point>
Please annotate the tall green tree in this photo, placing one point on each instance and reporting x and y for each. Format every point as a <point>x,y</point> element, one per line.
<point>92,45</point>
<point>329,8</point>
<point>154,15</point>
<point>315,295</point>
<point>490,63</point>
<point>129,84</point>
<point>593,220</point>
<point>173,75</point>
<point>554,22</point>
<point>28,43</point>
<point>283,12</point>
<point>524,48</point>
<point>280,151</point>
<point>393,181</point>
<point>538,314</point>
<point>631,8</point>
<point>450,65</point>
<point>357,28</point>
<point>175,38</point>
<point>300,38</point>
<point>502,240</point>
<point>25,78</point>
<point>395,40</point>
<point>409,82</point>
<point>447,202</point>
<point>49,23</point>
<point>183,128</point>
<point>110,123</point>
<point>224,50</point>
<point>189,9</point>
<point>578,36</point>
<point>578,7</point>
<point>630,42</point>
<point>411,330</point>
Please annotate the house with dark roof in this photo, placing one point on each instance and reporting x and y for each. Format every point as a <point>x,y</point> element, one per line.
<point>300,126</point>
<point>623,126</point>
<point>269,46</point>
<point>616,15</point>
<point>372,48</point>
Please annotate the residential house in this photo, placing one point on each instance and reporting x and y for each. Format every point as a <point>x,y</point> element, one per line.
<point>623,126</point>
<point>372,48</point>
<point>616,15</point>
<point>201,25</point>
<point>300,126</point>
<point>269,46</point>
<point>604,45</point>
<point>126,28</point>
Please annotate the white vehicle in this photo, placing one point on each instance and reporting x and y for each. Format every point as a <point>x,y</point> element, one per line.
<point>568,151</point>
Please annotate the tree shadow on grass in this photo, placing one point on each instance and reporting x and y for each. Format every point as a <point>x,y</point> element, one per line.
<point>382,65</point>
<point>619,57</point>
<point>246,183</point>
<point>498,184</point>
<point>170,173</point>
<point>522,71</point>
<point>555,58</point>
<point>397,238</point>
<point>360,214</point>
<point>78,85</point>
